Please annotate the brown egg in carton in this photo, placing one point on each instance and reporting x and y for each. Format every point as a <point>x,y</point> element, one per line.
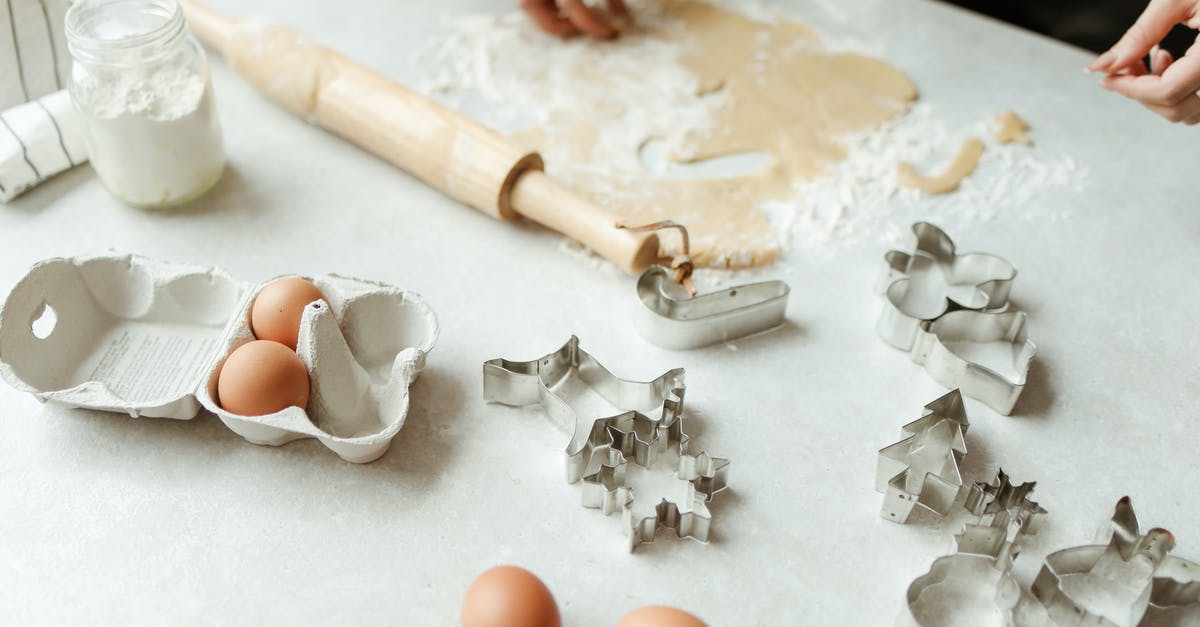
<point>128,334</point>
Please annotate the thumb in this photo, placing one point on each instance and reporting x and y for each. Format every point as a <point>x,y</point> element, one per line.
<point>1149,29</point>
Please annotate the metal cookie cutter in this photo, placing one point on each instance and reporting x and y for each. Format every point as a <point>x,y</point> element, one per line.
<point>673,316</point>
<point>939,344</point>
<point>1131,581</point>
<point>922,468</point>
<point>937,302</point>
<point>649,431</point>
<point>933,280</point>
<point>982,562</point>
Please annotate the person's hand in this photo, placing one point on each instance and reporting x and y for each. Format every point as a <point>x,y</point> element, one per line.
<point>564,18</point>
<point>1168,87</point>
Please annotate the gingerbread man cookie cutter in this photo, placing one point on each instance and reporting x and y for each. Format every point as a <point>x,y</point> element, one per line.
<point>649,432</point>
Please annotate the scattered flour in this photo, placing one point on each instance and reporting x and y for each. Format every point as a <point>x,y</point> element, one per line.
<point>512,77</point>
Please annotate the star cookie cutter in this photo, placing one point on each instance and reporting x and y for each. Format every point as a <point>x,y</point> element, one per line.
<point>1141,584</point>
<point>649,432</point>
<point>983,559</point>
<point>923,467</point>
<point>938,302</point>
<point>673,316</point>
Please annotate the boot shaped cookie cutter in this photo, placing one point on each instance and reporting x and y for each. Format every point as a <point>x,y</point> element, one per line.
<point>923,467</point>
<point>673,316</point>
<point>984,556</point>
<point>937,300</point>
<point>649,432</point>
<point>1134,577</point>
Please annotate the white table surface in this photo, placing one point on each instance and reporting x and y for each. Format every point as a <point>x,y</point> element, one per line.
<point>109,520</point>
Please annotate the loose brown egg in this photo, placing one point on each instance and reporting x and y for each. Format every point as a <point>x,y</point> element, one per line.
<point>508,596</point>
<point>660,616</point>
<point>278,307</point>
<point>260,378</point>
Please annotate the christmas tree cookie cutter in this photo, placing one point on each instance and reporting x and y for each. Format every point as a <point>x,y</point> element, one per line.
<point>923,467</point>
<point>649,432</point>
<point>938,302</point>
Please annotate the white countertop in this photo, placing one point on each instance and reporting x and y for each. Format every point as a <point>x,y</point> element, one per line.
<point>109,520</point>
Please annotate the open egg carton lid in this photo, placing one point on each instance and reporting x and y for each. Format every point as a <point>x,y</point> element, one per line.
<point>129,334</point>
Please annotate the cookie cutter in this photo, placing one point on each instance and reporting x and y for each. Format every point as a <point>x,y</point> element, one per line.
<point>977,281</point>
<point>937,300</point>
<point>1132,568</point>
<point>939,342</point>
<point>673,316</point>
<point>984,555</point>
<point>649,431</point>
<point>923,467</point>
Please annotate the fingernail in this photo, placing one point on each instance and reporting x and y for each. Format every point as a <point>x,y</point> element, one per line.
<point>1102,61</point>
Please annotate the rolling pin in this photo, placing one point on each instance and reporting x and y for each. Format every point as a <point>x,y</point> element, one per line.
<point>450,152</point>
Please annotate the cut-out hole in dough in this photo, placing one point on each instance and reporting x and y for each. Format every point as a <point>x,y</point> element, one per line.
<point>44,321</point>
<point>653,155</point>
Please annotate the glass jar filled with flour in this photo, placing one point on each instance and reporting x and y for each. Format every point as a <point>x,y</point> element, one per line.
<point>142,85</point>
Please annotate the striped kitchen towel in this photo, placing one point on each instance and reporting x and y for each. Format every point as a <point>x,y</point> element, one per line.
<point>40,131</point>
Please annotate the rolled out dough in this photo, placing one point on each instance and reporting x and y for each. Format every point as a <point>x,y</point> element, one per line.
<point>948,179</point>
<point>772,90</point>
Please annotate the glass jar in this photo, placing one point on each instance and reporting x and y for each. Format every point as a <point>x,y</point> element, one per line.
<point>142,86</point>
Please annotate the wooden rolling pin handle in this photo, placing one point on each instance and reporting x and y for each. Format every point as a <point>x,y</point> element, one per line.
<point>539,198</point>
<point>445,149</point>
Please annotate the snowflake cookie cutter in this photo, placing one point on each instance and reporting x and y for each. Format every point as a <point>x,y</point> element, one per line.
<point>984,555</point>
<point>649,433</point>
<point>938,301</point>
<point>1133,571</point>
<point>923,467</point>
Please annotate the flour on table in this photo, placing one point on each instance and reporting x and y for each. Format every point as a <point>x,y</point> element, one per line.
<point>685,116</point>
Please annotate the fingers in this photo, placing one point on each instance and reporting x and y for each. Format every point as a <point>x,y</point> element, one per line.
<point>1149,29</point>
<point>618,7</point>
<point>1178,82</point>
<point>545,15</point>
<point>582,18</point>
<point>1186,112</point>
<point>1160,60</point>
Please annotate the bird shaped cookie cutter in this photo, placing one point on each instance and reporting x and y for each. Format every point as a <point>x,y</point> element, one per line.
<point>673,316</point>
<point>648,432</point>
<point>984,555</point>
<point>1137,580</point>
<point>938,302</point>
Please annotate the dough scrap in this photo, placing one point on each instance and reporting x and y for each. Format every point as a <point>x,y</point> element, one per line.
<point>776,92</point>
<point>948,179</point>
<point>1012,129</point>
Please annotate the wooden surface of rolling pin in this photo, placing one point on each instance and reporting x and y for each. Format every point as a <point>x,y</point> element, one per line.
<point>445,149</point>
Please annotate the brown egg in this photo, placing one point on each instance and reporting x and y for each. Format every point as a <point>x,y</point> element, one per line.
<point>278,307</point>
<point>660,616</point>
<point>508,596</point>
<point>260,378</point>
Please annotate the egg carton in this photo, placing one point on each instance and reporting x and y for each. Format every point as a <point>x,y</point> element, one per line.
<point>124,333</point>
